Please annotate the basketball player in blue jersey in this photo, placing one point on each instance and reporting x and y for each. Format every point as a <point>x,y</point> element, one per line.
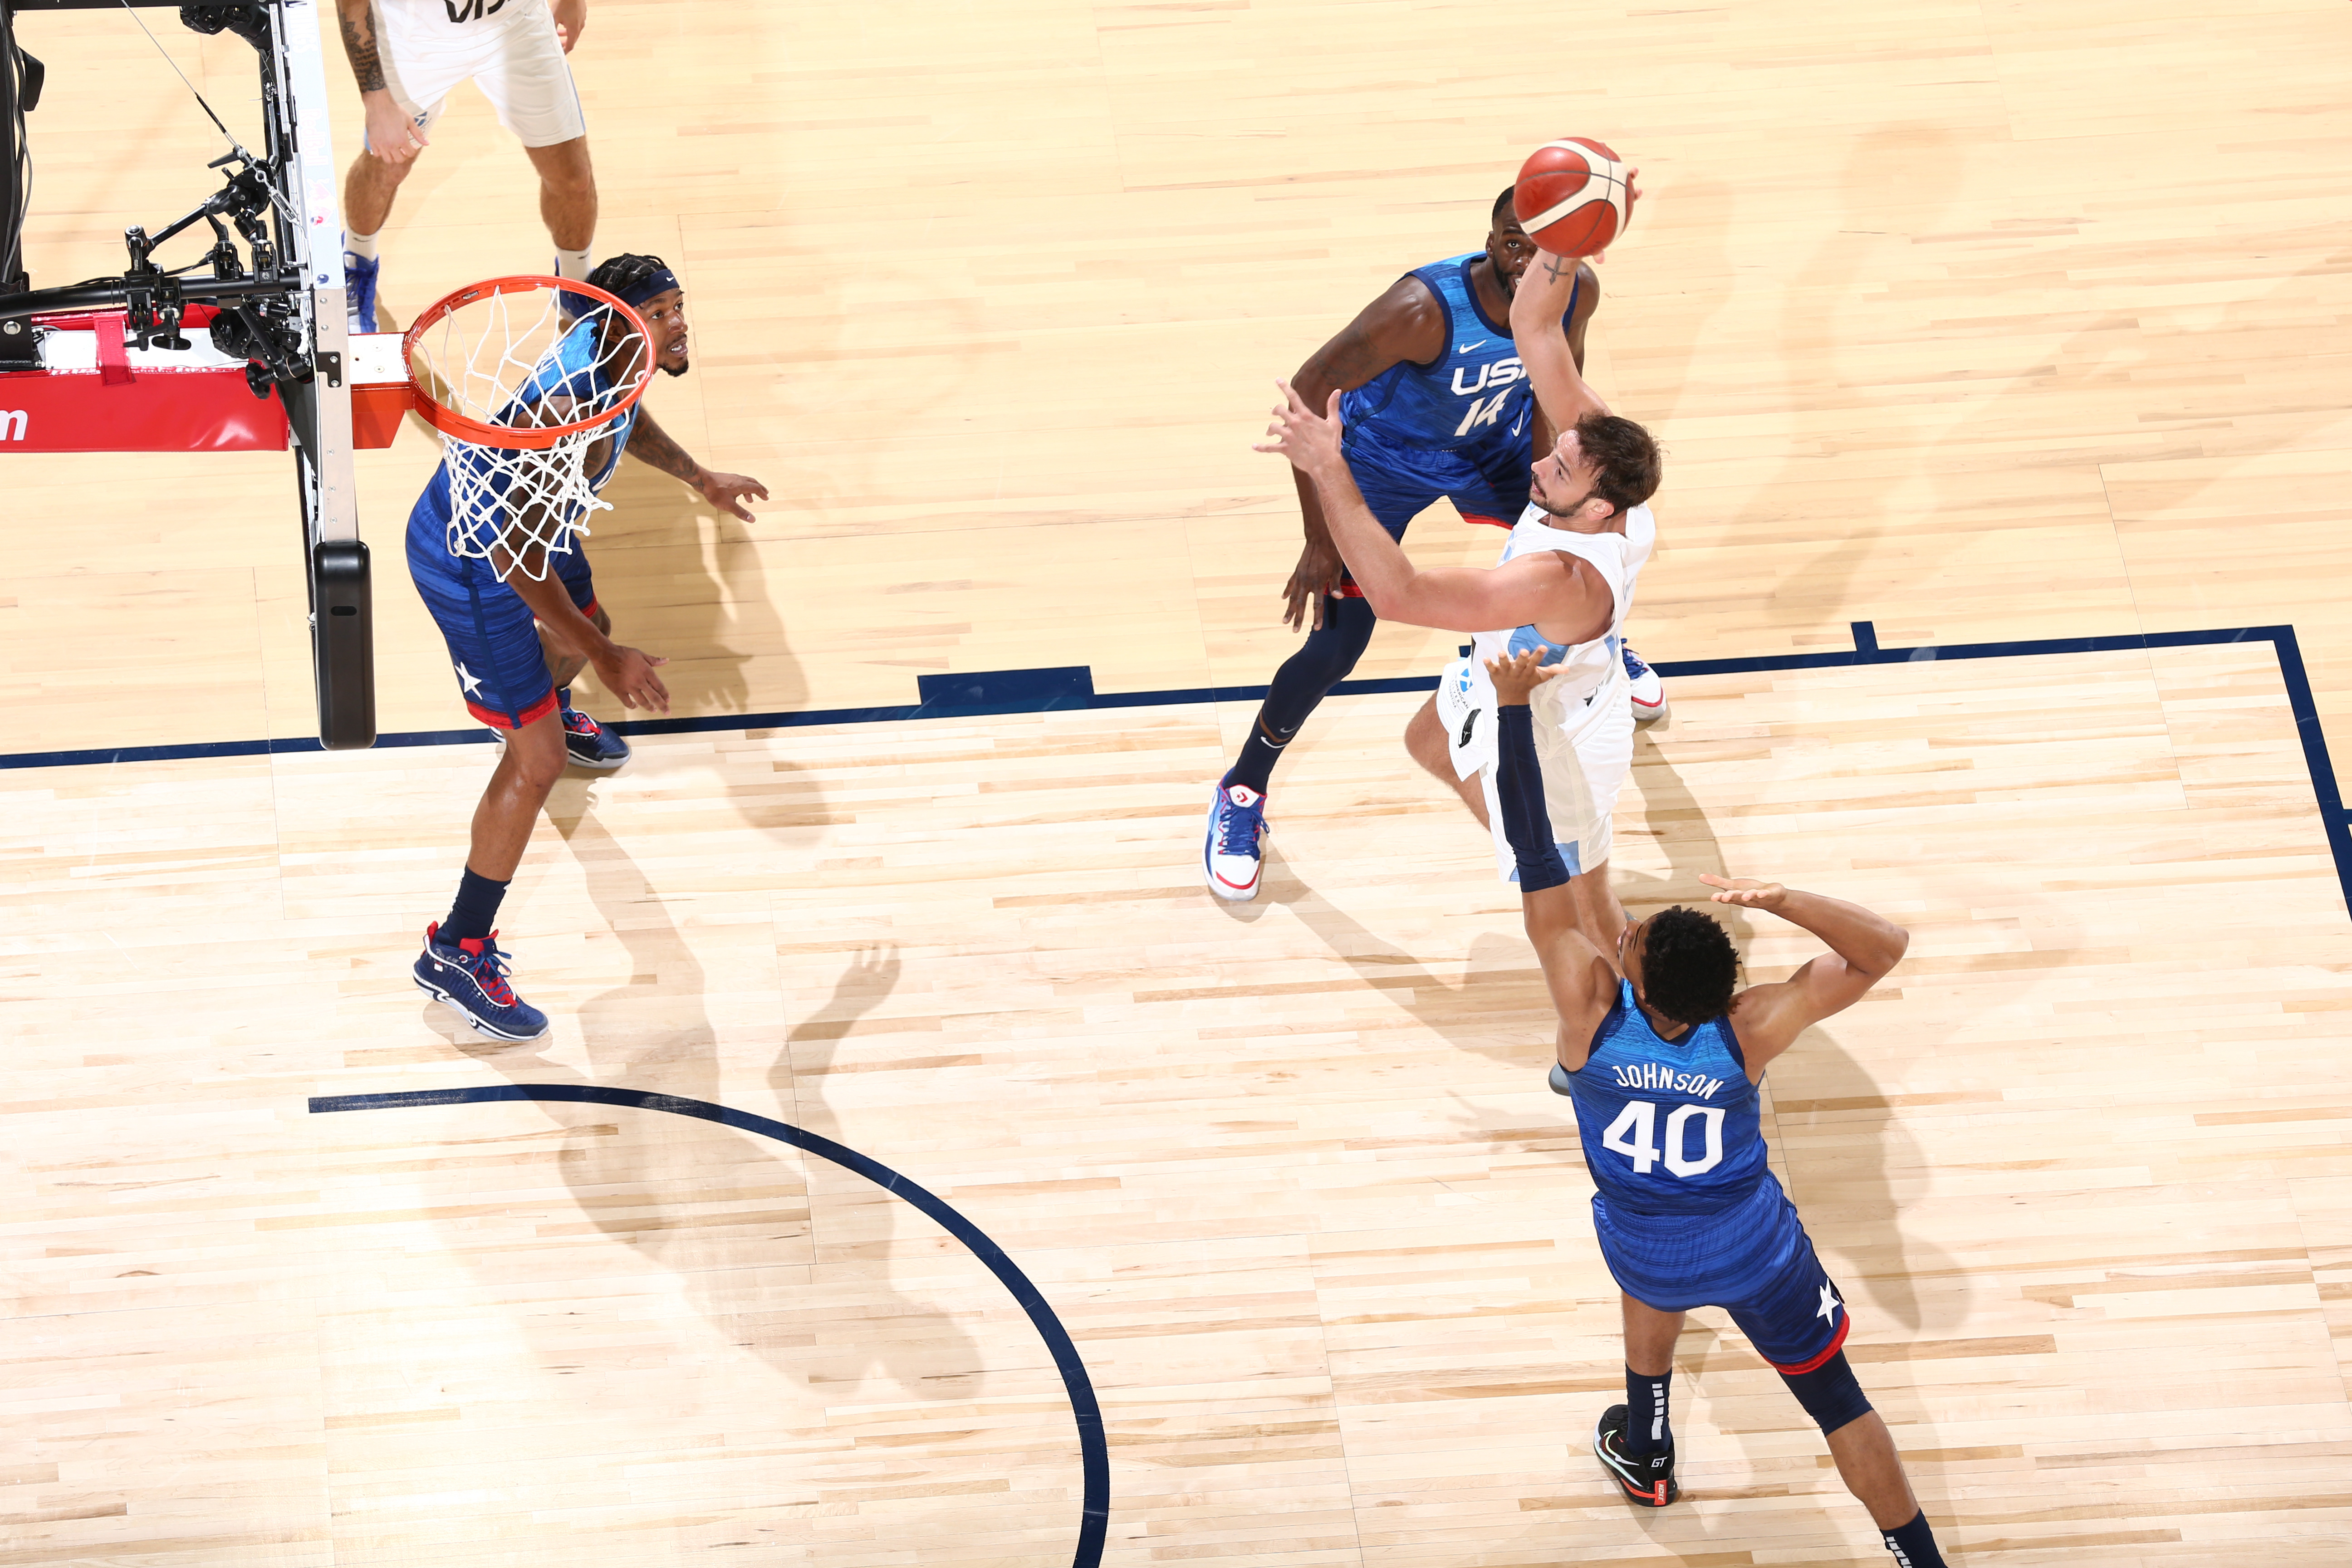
<point>1663,1059</point>
<point>1436,405</point>
<point>520,628</point>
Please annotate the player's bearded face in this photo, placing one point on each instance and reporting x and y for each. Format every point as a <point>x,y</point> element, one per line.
<point>1563,480</point>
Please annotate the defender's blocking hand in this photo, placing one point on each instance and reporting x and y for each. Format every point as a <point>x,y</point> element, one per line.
<point>1746,891</point>
<point>1515,677</point>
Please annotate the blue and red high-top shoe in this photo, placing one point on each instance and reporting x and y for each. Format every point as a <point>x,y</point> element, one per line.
<point>471,976</point>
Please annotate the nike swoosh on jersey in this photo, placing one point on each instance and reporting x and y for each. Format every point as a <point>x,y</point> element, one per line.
<point>1465,348</point>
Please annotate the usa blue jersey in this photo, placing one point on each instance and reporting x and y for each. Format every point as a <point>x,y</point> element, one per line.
<point>569,370</point>
<point>1669,1127</point>
<point>1474,394</point>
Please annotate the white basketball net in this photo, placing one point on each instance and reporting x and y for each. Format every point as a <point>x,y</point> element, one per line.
<point>513,362</point>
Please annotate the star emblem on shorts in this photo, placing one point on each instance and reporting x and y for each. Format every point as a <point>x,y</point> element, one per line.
<point>1828,1310</point>
<point>469,679</point>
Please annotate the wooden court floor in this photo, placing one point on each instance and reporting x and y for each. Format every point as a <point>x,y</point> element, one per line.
<point>1288,1174</point>
<point>1979,321</point>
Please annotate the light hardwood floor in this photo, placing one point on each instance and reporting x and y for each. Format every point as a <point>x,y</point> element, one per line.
<point>1979,321</point>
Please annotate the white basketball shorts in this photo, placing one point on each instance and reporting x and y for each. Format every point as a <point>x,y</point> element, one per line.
<point>1585,750</point>
<point>508,51</point>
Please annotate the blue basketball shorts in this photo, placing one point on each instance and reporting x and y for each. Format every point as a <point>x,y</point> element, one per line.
<point>502,675</point>
<point>1486,484</point>
<point>1754,1260</point>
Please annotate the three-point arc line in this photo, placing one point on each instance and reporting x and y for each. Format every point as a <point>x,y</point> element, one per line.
<point>1094,1451</point>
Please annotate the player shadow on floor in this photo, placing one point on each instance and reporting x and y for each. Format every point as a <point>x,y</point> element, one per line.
<point>688,583</point>
<point>677,1190</point>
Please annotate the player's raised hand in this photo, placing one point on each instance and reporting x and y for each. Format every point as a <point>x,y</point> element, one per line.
<point>1746,891</point>
<point>629,674</point>
<point>1515,677</point>
<point>726,491</point>
<point>1310,440</point>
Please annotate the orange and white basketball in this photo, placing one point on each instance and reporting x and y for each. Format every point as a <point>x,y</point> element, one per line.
<point>1573,196</point>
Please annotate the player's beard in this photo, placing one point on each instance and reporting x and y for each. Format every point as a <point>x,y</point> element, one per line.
<point>680,368</point>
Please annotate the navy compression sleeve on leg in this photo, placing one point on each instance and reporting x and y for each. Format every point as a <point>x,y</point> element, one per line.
<point>1518,785</point>
<point>1830,1393</point>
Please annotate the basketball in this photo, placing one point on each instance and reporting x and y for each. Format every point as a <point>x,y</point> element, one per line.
<point>1572,196</point>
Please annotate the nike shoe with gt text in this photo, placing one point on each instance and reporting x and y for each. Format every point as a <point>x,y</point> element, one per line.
<point>590,743</point>
<point>1649,1481</point>
<point>1649,691</point>
<point>1233,857</point>
<point>471,976</point>
<point>360,274</point>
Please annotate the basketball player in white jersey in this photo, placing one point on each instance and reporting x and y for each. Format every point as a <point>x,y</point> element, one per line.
<point>1564,583</point>
<point>406,56</point>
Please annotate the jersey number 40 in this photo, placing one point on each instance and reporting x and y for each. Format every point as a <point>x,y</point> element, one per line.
<point>1634,1135</point>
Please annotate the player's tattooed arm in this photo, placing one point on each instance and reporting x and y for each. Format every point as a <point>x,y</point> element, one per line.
<point>1554,363</point>
<point>358,44</point>
<point>391,135</point>
<point>651,444</point>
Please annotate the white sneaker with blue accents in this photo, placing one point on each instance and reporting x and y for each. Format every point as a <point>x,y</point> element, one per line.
<point>1649,691</point>
<point>1233,857</point>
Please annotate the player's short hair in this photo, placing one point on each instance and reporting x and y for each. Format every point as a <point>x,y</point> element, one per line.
<point>1688,965</point>
<point>1624,456</point>
<point>1503,209</point>
<point>619,274</point>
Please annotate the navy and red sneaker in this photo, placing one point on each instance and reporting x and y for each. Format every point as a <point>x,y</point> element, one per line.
<point>1649,1481</point>
<point>591,744</point>
<point>471,976</point>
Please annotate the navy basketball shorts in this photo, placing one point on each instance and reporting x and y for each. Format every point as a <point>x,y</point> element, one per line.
<point>1754,1260</point>
<point>493,639</point>
<point>1487,484</point>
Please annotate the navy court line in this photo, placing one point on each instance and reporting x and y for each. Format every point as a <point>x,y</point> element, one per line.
<point>993,692</point>
<point>1094,1450</point>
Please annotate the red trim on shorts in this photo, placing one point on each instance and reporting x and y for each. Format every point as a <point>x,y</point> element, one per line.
<point>589,609</point>
<point>1837,1342</point>
<point>498,720</point>
<point>1489,522</point>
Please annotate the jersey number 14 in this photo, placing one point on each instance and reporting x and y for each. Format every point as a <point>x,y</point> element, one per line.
<point>1634,1135</point>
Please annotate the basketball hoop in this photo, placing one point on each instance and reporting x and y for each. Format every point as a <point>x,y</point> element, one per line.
<point>524,377</point>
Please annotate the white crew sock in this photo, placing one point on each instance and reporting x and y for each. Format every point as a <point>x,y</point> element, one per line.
<point>572,264</point>
<point>363,245</point>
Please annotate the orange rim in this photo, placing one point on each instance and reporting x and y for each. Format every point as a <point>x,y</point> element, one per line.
<point>449,422</point>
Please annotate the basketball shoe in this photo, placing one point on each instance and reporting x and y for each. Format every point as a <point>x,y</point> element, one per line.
<point>1649,691</point>
<point>471,976</point>
<point>1651,1481</point>
<point>1233,857</point>
<point>591,744</point>
<point>360,274</point>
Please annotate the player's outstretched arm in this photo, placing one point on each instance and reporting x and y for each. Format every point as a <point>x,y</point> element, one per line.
<point>626,672</point>
<point>391,135</point>
<point>1864,947</point>
<point>1554,366</point>
<point>1406,323</point>
<point>651,444</point>
<point>1582,978</point>
<point>1544,587</point>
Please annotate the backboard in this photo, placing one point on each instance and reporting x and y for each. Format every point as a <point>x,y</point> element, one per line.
<point>233,351</point>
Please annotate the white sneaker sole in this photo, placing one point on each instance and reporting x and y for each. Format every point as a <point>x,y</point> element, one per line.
<point>1225,890</point>
<point>1645,714</point>
<point>469,1014</point>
